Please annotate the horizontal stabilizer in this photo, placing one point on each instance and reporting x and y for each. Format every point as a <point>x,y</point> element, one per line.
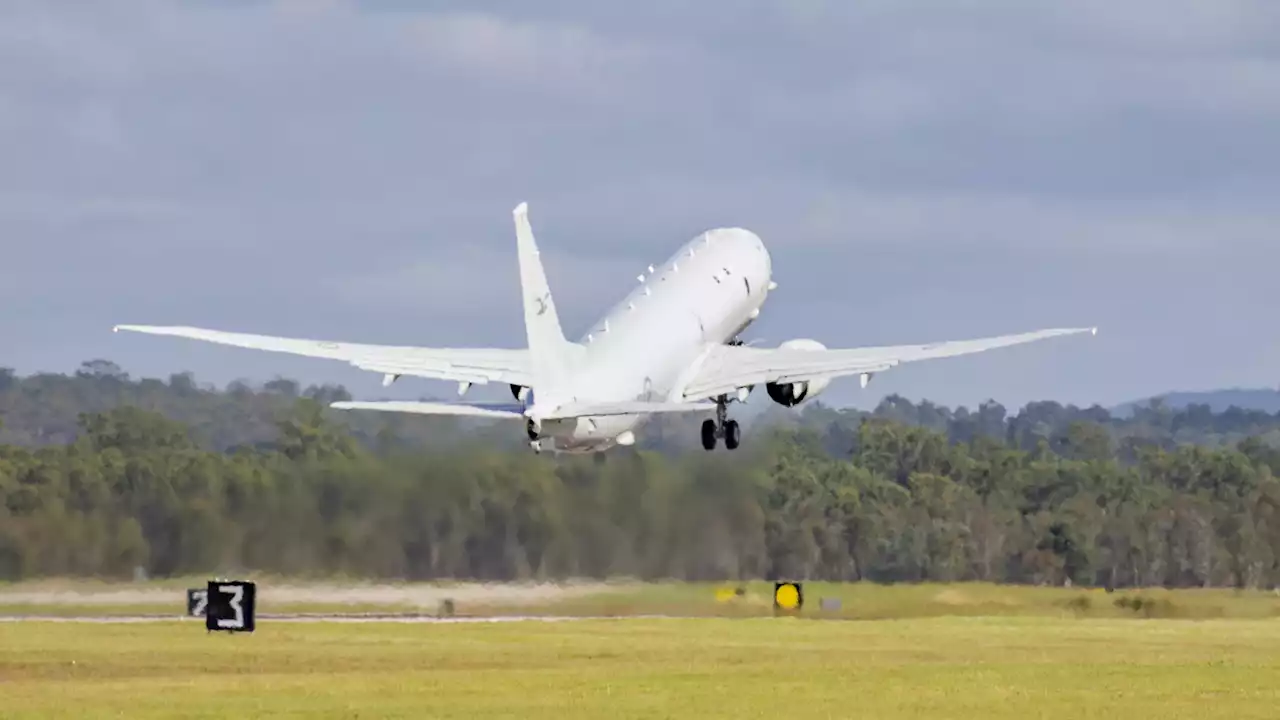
<point>627,407</point>
<point>512,410</point>
<point>484,410</point>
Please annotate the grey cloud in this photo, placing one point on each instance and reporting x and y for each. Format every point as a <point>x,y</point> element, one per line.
<point>447,281</point>
<point>346,169</point>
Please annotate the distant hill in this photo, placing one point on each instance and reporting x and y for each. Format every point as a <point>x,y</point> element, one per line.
<point>1264,399</point>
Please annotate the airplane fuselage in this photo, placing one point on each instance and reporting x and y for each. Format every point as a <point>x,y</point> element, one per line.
<point>649,345</point>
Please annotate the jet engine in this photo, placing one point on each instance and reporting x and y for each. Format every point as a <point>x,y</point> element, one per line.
<point>793,393</point>
<point>519,392</point>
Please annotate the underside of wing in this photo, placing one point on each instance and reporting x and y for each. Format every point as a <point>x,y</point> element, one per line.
<point>473,365</point>
<point>727,368</point>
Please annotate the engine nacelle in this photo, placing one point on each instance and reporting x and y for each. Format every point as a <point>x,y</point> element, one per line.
<point>792,394</point>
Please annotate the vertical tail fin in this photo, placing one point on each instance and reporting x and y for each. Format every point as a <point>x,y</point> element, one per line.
<point>549,352</point>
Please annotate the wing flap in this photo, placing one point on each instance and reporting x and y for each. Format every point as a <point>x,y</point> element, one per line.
<point>729,382</point>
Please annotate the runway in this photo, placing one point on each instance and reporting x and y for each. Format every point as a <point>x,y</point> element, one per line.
<point>335,618</point>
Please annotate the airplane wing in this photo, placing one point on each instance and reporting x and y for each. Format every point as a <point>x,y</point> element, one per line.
<point>730,367</point>
<point>473,365</point>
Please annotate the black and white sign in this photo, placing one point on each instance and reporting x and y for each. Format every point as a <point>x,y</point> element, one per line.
<point>197,599</point>
<point>230,605</point>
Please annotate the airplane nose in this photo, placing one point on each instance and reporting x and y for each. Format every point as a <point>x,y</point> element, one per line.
<point>761,261</point>
<point>766,260</point>
<point>750,250</point>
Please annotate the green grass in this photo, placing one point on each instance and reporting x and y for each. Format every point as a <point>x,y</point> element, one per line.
<point>996,668</point>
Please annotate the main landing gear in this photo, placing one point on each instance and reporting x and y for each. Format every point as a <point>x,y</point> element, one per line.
<point>721,427</point>
<point>532,429</point>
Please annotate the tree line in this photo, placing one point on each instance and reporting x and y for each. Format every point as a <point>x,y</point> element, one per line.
<point>176,478</point>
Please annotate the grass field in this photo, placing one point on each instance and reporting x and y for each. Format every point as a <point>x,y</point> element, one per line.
<point>1011,667</point>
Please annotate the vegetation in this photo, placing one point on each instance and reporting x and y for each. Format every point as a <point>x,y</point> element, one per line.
<point>952,668</point>
<point>102,475</point>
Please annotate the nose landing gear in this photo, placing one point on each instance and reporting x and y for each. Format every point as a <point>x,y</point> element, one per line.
<point>721,427</point>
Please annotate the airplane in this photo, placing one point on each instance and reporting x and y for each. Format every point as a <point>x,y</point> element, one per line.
<point>670,346</point>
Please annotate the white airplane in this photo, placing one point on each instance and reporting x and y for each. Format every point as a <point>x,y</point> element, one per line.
<point>670,346</point>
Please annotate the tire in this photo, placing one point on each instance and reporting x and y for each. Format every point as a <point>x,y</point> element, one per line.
<point>732,435</point>
<point>708,434</point>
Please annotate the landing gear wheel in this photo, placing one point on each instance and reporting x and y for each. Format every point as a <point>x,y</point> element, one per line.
<point>721,427</point>
<point>732,435</point>
<point>709,434</point>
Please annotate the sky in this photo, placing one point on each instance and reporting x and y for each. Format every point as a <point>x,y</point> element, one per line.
<point>920,170</point>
